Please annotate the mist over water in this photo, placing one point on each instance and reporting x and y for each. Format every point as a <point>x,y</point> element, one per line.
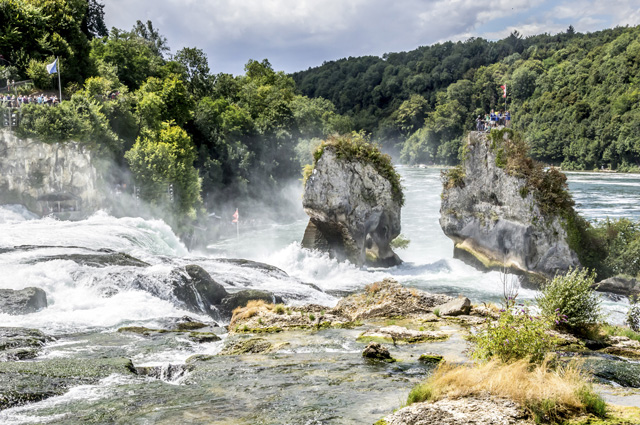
<point>86,298</point>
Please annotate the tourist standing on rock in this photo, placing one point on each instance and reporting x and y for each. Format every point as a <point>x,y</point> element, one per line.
<point>507,119</point>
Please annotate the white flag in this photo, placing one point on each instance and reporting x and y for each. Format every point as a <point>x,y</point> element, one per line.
<point>52,68</point>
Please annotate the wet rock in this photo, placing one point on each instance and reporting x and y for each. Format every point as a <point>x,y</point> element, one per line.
<point>376,351</point>
<point>272,270</point>
<point>466,320</point>
<point>102,258</point>
<point>621,285</point>
<point>623,346</point>
<point>353,210</point>
<point>23,301</point>
<point>401,335</point>
<point>430,358</point>
<point>495,217</point>
<point>250,346</point>
<point>241,298</point>
<point>20,343</point>
<point>455,307</point>
<point>621,372</point>
<point>27,382</point>
<point>196,290</point>
<point>388,299</point>
<point>167,373</point>
<point>462,411</point>
<point>203,337</point>
<point>260,317</point>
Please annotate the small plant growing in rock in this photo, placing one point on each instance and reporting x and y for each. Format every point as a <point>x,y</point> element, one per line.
<point>571,297</point>
<point>400,242</point>
<point>260,320</point>
<point>312,317</point>
<point>279,309</point>
<point>633,315</point>
<point>436,311</point>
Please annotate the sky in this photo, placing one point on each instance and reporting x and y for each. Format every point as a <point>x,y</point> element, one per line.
<point>297,34</point>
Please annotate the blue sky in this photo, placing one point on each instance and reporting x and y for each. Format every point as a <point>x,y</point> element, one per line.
<point>297,34</point>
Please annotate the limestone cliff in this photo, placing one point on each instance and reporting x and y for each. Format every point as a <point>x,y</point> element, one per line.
<point>354,209</point>
<point>31,170</point>
<point>492,208</point>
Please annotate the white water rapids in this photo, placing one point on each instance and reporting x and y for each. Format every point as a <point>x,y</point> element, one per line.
<point>88,298</point>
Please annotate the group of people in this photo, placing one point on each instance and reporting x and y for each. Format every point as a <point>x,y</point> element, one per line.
<point>493,120</point>
<point>14,101</point>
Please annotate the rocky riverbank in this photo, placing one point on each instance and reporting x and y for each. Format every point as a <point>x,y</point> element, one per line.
<point>288,354</point>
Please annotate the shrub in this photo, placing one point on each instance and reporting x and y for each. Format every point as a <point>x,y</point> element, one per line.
<point>515,335</point>
<point>312,317</point>
<point>400,242</point>
<point>572,296</point>
<point>453,177</point>
<point>37,71</point>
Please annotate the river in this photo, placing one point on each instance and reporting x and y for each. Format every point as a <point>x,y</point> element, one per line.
<point>87,304</point>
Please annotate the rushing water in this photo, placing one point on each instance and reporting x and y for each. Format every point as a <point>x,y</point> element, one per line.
<point>87,304</point>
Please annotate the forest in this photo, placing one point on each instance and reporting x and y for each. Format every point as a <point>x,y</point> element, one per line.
<point>575,97</point>
<point>213,137</point>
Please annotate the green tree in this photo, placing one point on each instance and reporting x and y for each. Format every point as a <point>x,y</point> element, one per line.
<point>163,158</point>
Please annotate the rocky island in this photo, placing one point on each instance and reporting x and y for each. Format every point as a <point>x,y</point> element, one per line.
<point>353,197</point>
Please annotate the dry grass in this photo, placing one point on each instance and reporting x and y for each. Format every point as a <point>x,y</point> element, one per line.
<point>547,393</point>
<point>252,308</point>
<point>374,287</point>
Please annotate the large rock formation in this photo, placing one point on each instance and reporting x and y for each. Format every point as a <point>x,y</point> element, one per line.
<point>32,170</point>
<point>493,214</point>
<point>354,210</point>
<point>24,301</point>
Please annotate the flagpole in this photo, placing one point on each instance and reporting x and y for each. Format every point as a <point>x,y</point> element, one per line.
<point>238,227</point>
<point>59,85</point>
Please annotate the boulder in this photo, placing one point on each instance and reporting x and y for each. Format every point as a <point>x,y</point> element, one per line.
<point>20,343</point>
<point>621,285</point>
<point>196,290</point>
<point>430,358</point>
<point>375,351</point>
<point>495,217</point>
<point>455,307</point>
<point>353,209</point>
<point>241,298</point>
<point>387,299</point>
<point>23,301</point>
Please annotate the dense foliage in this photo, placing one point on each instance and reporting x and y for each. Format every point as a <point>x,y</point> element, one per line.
<point>574,96</point>
<point>128,96</point>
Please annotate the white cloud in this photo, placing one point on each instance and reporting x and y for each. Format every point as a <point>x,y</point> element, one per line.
<point>295,34</point>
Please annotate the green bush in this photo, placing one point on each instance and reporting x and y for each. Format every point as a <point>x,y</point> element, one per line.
<point>515,335</point>
<point>571,296</point>
<point>401,242</point>
<point>421,392</point>
<point>37,71</point>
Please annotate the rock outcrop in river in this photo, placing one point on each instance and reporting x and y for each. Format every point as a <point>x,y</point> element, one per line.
<point>353,199</point>
<point>505,210</point>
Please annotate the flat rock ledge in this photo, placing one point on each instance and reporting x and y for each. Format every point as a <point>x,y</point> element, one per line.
<point>401,335</point>
<point>463,411</point>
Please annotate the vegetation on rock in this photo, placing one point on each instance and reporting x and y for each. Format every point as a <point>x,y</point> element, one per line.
<point>358,147</point>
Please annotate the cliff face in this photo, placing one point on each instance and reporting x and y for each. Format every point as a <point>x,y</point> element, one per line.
<point>352,211</point>
<point>32,170</point>
<point>495,217</point>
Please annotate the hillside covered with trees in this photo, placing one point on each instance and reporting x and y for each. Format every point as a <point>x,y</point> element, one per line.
<point>574,96</point>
